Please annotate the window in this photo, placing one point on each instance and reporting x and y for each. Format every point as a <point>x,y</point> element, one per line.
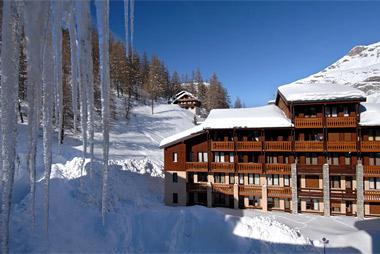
<point>202,157</point>
<point>374,159</point>
<point>219,157</point>
<point>175,157</point>
<point>253,201</point>
<point>271,159</point>
<point>311,159</point>
<point>231,157</point>
<point>250,179</point>
<point>175,178</point>
<point>273,203</point>
<point>175,198</point>
<point>202,177</point>
<point>345,111</point>
<point>273,179</point>
<point>257,179</point>
<point>219,198</point>
<point>312,204</point>
<point>219,178</point>
<point>232,178</point>
<point>241,178</point>
<point>335,182</point>
<point>333,159</point>
<point>347,159</point>
<point>286,180</point>
<point>374,183</point>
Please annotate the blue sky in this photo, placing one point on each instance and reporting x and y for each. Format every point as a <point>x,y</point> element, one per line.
<point>252,46</point>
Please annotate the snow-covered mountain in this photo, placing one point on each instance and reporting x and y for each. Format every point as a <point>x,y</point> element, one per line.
<point>359,68</point>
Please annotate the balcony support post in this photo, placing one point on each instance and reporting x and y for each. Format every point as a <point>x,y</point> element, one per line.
<point>326,190</point>
<point>209,194</point>
<point>359,190</point>
<point>294,188</point>
<point>236,196</point>
<point>264,195</point>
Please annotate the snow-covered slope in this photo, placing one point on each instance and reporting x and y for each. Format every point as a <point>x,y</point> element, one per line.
<point>359,68</point>
<point>137,219</point>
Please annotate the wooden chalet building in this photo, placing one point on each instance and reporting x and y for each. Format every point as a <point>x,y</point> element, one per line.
<point>316,149</point>
<point>187,101</point>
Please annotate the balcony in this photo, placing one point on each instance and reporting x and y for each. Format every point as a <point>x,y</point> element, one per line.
<point>372,195</point>
<point>255,168</point>
<point>371,171</point>
<point>309,169</point>
<point>227,189</point>
<point>197,187</point>
<point>341,122</point>
<point>370,146</point>
<point>222,146</point>
<point>313,122</point>
<point>197,166</point>
<point>309,146</point>
<point>278,168</point>
<point>277,146</point>
<point>224,167</point>
<point>346,194</point>
<point>248,146</point>
<point>250,190</point>
<point>341,146</point>
<point>342,170</point>
<point>310,193</point>
<point>279,192</point>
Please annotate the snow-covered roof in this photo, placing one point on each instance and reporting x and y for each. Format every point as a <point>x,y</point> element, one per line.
<point>259,117</point>
<point>370,114</point>
<point>182,94</point>
<point>319,92</point>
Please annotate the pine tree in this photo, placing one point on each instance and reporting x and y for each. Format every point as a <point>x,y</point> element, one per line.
<point>238,103</point>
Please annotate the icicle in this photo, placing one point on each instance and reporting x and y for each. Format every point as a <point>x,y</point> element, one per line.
<point>57,56</point>
<point>35,20</point>
<point>82,36</point>
<point>102,14</point>
<point>126,20</point>
<point>47,105</point>
<point>132,24</point>
<point>74,68</point>
<point>9,93</point>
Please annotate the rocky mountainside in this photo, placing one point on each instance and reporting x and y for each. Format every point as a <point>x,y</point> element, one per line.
<point>359,68</point>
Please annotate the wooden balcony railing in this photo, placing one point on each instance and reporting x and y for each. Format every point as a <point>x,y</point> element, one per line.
<point>343,194</point>
<point>225,167</point>
<point>341,122</point>
<point>256,168</point>
<point>278,168</point>
<point>197,166</point>
<point>222,146</point>
<point>313,122</point>
<point>278,146</point>
<point>309,146</point>
<point>249,146</point>
<point>371,171</point>
<point>309,169</point>
<point>250,190</point>
<point>370,146</point>
<point>227,189</point>
<point>372,195</point>
<point>341,146</point>
<point>310,193</point>
<point>279,192</point>
<point>195,187</point>
<point>342,169</point>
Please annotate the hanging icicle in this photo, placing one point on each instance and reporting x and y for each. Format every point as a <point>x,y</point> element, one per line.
<point>35,20</point>
<point>74,68</point>
<point>9,93</point>
<point>47,112</point>
<point>102,14</point>
<point>126,23</point>
<point>57,56</point>
<point>132,24</point>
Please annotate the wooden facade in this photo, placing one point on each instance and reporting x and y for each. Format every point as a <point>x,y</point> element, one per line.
<point>259,161</point>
